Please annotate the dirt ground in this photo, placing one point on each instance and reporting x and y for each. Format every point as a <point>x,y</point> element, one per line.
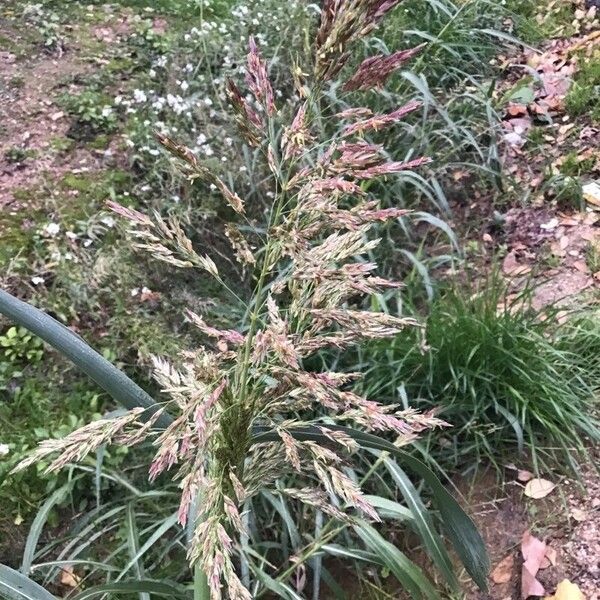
<point>567,520</point>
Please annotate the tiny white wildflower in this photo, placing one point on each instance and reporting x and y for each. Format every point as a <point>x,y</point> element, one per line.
<point>4,449</point>
<point>139,96</point>
<point>37,280</point>
<point>51,230</point>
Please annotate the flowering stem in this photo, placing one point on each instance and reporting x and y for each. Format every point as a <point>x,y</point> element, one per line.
<point>201,589</point>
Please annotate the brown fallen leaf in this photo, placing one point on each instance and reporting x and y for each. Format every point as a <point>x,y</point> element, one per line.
<point>581,266</point>
<point>524,476</point>
<point>68,577</point>
<point>532,549</point>
<point>534,552</point>
<point>564,242</point>
<point>510,266</point>
<point>551,555</point>
<point>538,488</point>
<point>503,571</point>
<point>591,193</point>
<point>578,514</point>
<point>516,110</point>
<point>530,586</point>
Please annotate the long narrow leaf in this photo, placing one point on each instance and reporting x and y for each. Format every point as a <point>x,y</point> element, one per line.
<point>69,344</point>
<point>15,586</point>
<point>167,524</point>
<point>147,586</point>
<point>405,571</point>
<point>133,544</point>
<point>459,527</point>
<point>423,522</point>
<point>38,524</point>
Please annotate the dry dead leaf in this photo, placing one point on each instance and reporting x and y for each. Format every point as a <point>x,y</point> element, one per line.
<point>567,591</point>
<point>551,555</point>
<point>534,553</point>
<point>591,193</point>
<point>524,476</point>
<point>68,577</point>
<point>581,266</point>
<point>538,488</point>
<point>516,110</point>
<point>530,586</point>
<point>503,571</point>
<point>578,514</point>
<point>510,266</point>
<point>532,548</point>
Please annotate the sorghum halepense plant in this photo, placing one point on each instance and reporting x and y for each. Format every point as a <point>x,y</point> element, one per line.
<point>307,281</point>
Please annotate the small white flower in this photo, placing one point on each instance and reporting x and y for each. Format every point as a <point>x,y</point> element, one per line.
<point>139,96</point>
<point>4,449</point>
<point>184,85</point>
<point>107,111</point>
<point>37,280</point>
<point>134,292</point>
<point>51,230</point>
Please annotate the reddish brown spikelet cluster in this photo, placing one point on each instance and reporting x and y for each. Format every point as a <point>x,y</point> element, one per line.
<point>248,120</point>
<point>344,22</point>
<point>377,122</point>
<point>257,79</point>
<point>312,271</point>
<point>374,71</point>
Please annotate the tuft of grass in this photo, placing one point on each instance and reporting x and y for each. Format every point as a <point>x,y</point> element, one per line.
<point>505,376</point>
<point>584,96</point>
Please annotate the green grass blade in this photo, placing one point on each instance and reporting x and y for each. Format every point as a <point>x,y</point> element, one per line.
<point>388,509</point>
<point>69,344</point>
<point>38,524</point>
<point>144,586</point>
<point>406,572</point>
<point>423,523</point>
<point>459,527</point>
<point>281,590</point>
<point>133,543</point>
<point>15,586</point>
<point>167,524</point>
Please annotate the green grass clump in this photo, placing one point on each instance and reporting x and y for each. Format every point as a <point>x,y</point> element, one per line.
<point>505,377</point>
<point>584,95</point>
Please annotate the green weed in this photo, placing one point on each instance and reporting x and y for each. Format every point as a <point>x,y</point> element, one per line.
<point>584,96</point>
<point>505,376</point>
